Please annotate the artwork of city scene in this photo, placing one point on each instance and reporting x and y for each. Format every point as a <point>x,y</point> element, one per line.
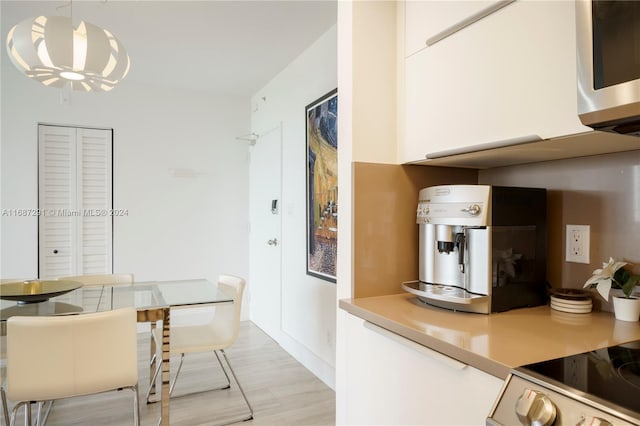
<point>322,186</point>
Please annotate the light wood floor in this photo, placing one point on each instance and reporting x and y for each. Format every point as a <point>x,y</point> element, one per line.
<point>281,391</point>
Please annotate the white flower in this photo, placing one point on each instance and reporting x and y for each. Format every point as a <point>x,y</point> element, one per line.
<point>604,277</point>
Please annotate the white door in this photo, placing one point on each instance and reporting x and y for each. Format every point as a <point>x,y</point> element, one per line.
<point>265,213</point>
<point>75,225</point>
<point>56,197</point>
<point>95,190</point>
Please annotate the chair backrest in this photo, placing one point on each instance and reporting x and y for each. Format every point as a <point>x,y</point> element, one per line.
<point>226,319</point>
<point>101,279</point>
<point>63,356</point>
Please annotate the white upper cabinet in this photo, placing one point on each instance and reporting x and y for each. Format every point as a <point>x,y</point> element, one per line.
<point>426,19</point>
<point>507,78</point>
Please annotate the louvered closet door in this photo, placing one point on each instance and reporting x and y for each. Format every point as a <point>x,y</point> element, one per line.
<point>75,198</point>
<point>56,197</point>
<point>95,200</point>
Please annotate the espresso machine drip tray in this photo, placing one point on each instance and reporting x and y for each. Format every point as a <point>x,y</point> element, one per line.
<point>449,297</point>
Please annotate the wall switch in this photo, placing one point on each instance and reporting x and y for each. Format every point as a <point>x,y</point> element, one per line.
<point>577,249</point>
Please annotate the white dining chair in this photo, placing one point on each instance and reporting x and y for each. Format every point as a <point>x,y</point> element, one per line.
<point>55,357</point>
<point>215,336</point>
<point>100,279</point>
<point>3,345</point>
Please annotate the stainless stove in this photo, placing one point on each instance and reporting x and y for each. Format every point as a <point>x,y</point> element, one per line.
<point>600,387</point>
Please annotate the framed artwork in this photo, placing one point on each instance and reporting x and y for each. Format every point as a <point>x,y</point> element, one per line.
<point>322,186</point>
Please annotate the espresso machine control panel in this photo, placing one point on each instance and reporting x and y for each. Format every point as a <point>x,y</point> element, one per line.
<point>454,205</point>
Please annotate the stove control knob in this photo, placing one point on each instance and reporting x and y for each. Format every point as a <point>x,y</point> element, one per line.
<point>535,409</point>
<point>594,421</point>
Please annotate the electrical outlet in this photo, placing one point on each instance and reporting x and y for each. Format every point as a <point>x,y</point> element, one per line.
<point>577,246</point>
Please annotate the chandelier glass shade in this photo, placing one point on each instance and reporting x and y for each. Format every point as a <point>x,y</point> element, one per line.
<point>50,50</point>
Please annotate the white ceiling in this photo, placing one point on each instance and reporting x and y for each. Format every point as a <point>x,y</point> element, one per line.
<point>232,47</point>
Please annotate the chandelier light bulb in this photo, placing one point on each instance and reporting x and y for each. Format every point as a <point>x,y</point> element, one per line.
<point>70,75</point>
<point>50,50</point>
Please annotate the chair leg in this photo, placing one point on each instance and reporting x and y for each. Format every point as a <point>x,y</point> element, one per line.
<point>175,379</point>
<point>223,370</point>
<point>27,413</point>
<point>239,386</point>
<point>5,409</point>
<point>151,364</point>
<point>153,379</point>
<point>155,376</point>
<point>136,405</point>
<point>41,420</point>
<point>39,413</point>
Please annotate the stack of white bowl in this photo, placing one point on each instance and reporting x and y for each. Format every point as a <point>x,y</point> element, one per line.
<point>571,301</point>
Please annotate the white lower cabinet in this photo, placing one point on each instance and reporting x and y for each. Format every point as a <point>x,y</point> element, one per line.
<point>509,77</point>
<point>391,380</point>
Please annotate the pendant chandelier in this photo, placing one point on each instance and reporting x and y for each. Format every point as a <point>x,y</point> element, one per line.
<point>50,50</point>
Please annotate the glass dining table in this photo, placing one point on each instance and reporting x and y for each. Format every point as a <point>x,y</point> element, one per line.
<point>153,301</point>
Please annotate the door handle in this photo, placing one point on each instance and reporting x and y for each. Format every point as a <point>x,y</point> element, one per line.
<point>273,242</point>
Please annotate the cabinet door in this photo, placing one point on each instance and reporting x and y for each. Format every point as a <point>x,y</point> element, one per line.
<point>393,381</point>
<point>510,76</point>
<point>425,18</point>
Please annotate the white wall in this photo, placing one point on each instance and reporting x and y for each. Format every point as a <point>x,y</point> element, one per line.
<point>177,227</point>
<point>307,325</point>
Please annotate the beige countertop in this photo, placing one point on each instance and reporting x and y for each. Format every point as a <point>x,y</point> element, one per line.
<point>498,342</point>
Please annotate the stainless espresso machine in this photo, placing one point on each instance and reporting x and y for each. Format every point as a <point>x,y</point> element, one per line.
<point>482,248</point>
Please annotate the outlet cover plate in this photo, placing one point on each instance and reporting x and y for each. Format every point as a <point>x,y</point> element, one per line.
<point>577,243</point>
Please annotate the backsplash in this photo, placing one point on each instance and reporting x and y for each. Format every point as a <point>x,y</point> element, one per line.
<point>385,231</point>
<point>601,191</point>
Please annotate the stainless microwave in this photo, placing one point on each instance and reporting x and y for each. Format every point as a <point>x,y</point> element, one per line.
<point>608,55</point>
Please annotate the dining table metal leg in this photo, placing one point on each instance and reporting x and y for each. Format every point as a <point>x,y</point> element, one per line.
<point>153,315</point>
<point>165,391</point>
